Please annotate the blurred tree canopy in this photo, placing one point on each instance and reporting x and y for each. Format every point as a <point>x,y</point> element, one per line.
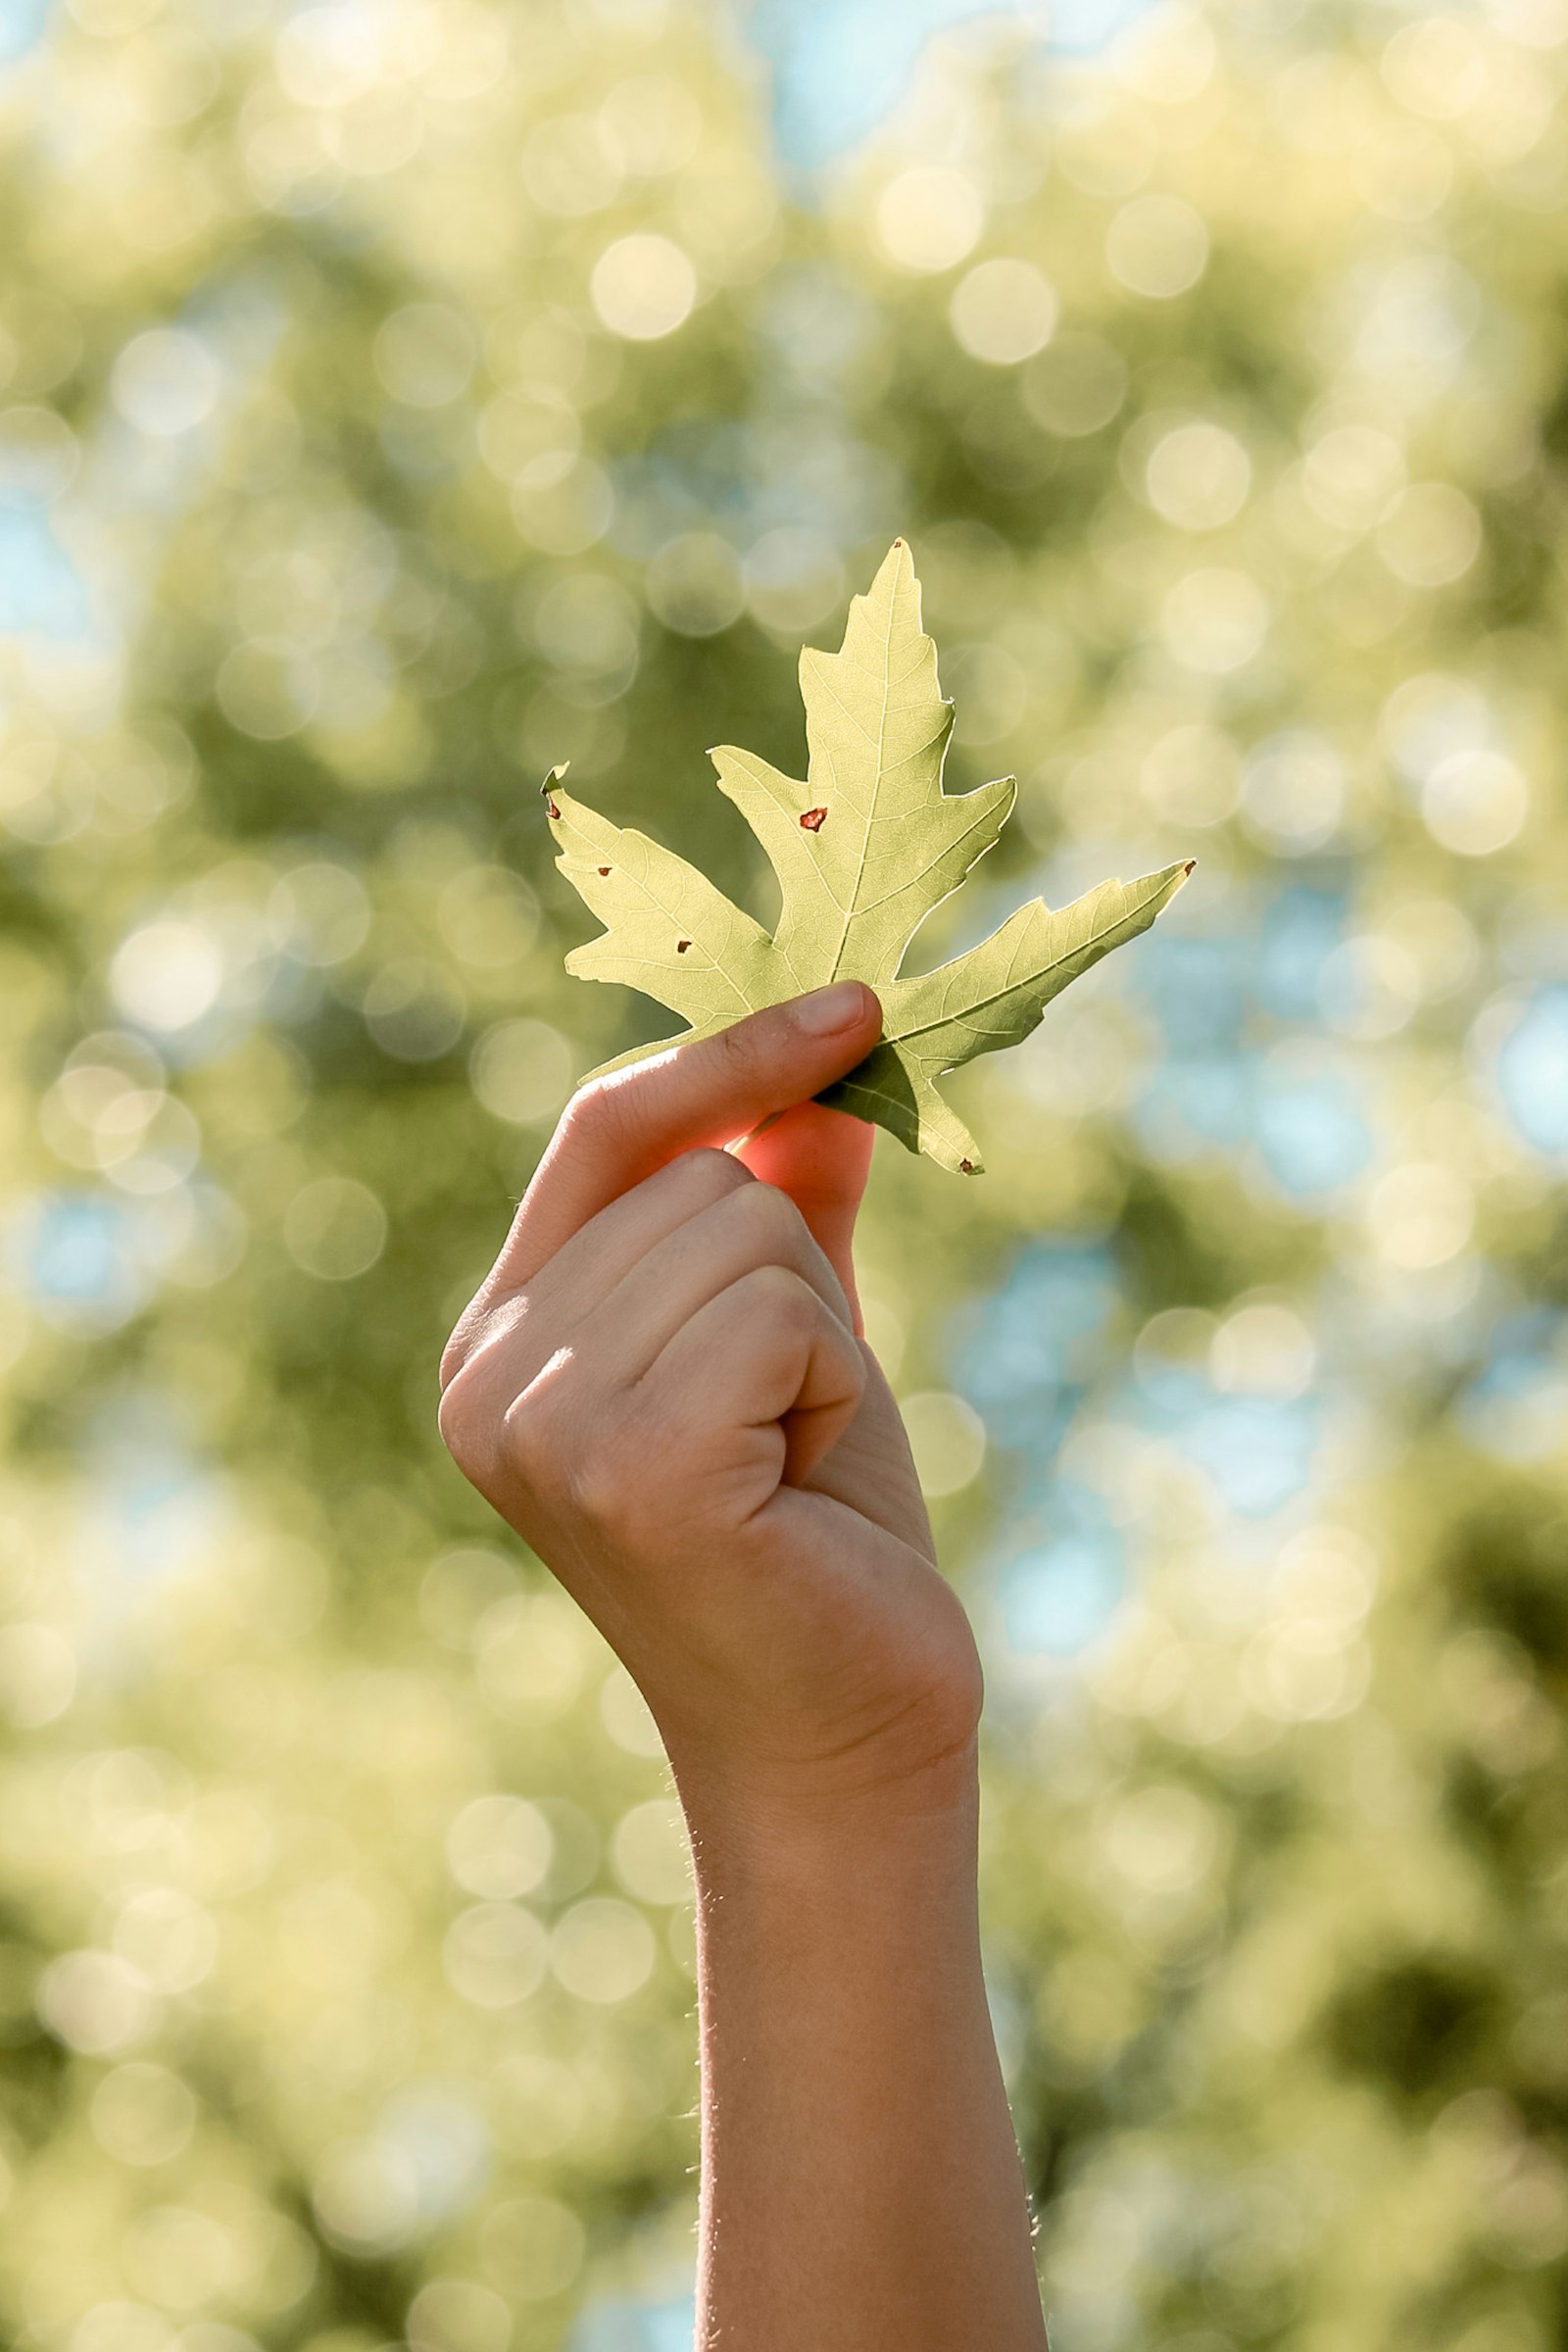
<point>398,396</point>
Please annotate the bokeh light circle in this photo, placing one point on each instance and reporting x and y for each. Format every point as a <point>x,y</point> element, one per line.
<point>1475,803</point>
<point>165,382</point>
<point>1197,476</point>
<point>929,218</point>
<point>1004,312</point>
<point>1158,246</point>
<point>643,287</point>
<point>334,1228</point>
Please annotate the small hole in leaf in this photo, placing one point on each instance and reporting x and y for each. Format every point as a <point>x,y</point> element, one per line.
<point>814,819</point>
<point>681,945</point>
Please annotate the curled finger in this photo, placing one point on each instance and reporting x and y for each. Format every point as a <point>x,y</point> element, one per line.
<point>760,1383</point>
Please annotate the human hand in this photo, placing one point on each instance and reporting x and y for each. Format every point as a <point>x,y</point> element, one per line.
<point>662,1385</point>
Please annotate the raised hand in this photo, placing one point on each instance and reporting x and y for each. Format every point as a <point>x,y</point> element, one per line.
<point>663,1386</point>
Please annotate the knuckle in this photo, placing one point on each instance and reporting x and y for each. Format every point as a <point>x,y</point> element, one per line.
<point>772,1219</point>
<point>779,1292</point>
<point>565,1451</point>
<point>460,1346</point>
<point>606,1487</point>
<point>537,1436</point>
<point>468,1426</point>
<point>589,1119</point>
<point>711,1176</point>
<point>452,1421</point>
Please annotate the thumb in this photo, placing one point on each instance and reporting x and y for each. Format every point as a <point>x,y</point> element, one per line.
<point>623,1127</point>
<point>821,1160</point>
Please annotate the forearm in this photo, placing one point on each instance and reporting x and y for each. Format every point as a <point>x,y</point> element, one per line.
<point>861,2189</point>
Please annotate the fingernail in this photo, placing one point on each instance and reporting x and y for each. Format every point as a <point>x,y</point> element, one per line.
<point>825,1009</point>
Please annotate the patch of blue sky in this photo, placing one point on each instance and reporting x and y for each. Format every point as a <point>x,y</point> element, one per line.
<point>152,1516</point>
<point>144,456</point>
<point>1206,986</point>
<point>1059,1569</point>
<point>805,474</point>
<point>1196,986</point>
<point>1298,933</point>
<point>1312,1133</point>
<point>1080,27</point>
<point>1023,1354</point>
<point>1164,1395</point>
<point>1517,1406</point>
<point>75,1254</point>
<point>160,1511</point>
<point>840,67</point>
<point>22,25</point>
<point>627,2327</point>
<point>1220,1090</point>
<point>89,1260</point>
<point>1027,1433</point>
<point>656,501</point>
<point>1195,1105</point>
<point>715,474</point>
<point>1532,1070</point>
<point>434,2137</point>
<point>818,325</point>
<point>41,592</point>
<point>1058,1579</point>
<point>1259,1453</point>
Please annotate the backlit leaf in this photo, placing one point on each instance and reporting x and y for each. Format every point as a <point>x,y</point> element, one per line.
<point>863,850</point>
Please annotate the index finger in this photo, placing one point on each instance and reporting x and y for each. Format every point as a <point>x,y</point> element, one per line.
<point>624,1127</point>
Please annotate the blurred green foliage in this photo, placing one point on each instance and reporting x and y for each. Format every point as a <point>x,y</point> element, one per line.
<point>397,398</point>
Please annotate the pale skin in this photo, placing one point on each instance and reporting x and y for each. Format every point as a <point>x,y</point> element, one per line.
<point>663,1385</point>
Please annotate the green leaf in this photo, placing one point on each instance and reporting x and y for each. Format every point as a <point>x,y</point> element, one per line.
<point>863,850</point>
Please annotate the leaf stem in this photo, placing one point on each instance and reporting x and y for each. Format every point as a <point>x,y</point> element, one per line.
<point>762,1125</point>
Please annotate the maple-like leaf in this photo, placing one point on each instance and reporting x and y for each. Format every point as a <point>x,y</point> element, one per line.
<point>863,850</point>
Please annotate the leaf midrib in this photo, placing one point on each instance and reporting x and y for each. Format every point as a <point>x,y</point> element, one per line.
<point>849,913</point>
<point>898,1036</point>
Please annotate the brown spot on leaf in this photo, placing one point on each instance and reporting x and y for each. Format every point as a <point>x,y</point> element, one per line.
<point>968,1165</point>
<point>814,819</point>
<point>604,870</point>
<point>551,807</point>
<point>681,945</point>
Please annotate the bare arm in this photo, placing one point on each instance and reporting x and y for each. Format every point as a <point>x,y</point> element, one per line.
<point>860,2181</point>
<point>662,1385</point>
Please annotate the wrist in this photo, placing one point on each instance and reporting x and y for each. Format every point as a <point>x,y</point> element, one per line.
<point>755,1830</point>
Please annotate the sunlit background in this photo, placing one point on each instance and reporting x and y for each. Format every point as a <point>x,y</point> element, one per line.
<point>398,396</point>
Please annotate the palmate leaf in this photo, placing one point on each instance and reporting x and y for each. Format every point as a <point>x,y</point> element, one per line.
<point>863,850</point>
